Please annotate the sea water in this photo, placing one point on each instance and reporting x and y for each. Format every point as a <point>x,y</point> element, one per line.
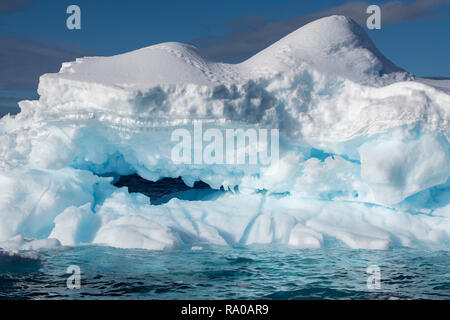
<point>260,272</point>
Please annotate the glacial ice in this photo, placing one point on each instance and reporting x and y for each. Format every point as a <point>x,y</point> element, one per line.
<point>364,151</point>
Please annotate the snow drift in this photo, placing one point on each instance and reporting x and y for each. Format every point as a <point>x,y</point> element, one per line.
<point>364,152</point>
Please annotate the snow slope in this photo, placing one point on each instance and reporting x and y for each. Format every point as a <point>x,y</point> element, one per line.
<point>441,84</point>
<point>336,45</point>
<point>364,152</point>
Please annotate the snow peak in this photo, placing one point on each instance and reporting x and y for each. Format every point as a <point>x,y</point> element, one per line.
<point>193,310</point>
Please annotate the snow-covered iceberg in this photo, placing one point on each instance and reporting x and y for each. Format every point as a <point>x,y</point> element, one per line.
<point>364,151</point>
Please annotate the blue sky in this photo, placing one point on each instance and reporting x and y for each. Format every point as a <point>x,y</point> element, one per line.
<point>34,39</point>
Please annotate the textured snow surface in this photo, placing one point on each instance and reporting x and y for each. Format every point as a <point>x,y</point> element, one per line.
<point>335,45</point>
<point>364,151</point>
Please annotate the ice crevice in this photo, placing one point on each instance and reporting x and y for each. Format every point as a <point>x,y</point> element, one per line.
<point>364,152</point>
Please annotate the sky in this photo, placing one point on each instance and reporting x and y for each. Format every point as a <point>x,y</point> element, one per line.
<point>34,38</point>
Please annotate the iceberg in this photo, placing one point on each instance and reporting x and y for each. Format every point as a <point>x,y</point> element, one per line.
<point>363,149</point>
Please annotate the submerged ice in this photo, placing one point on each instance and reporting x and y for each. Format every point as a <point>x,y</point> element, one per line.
<point>364,152</point>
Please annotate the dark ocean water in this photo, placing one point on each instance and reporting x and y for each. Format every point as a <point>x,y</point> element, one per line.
<point>228,273</point>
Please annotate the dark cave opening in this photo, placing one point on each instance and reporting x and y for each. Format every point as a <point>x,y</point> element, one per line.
<point>162,190</point>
